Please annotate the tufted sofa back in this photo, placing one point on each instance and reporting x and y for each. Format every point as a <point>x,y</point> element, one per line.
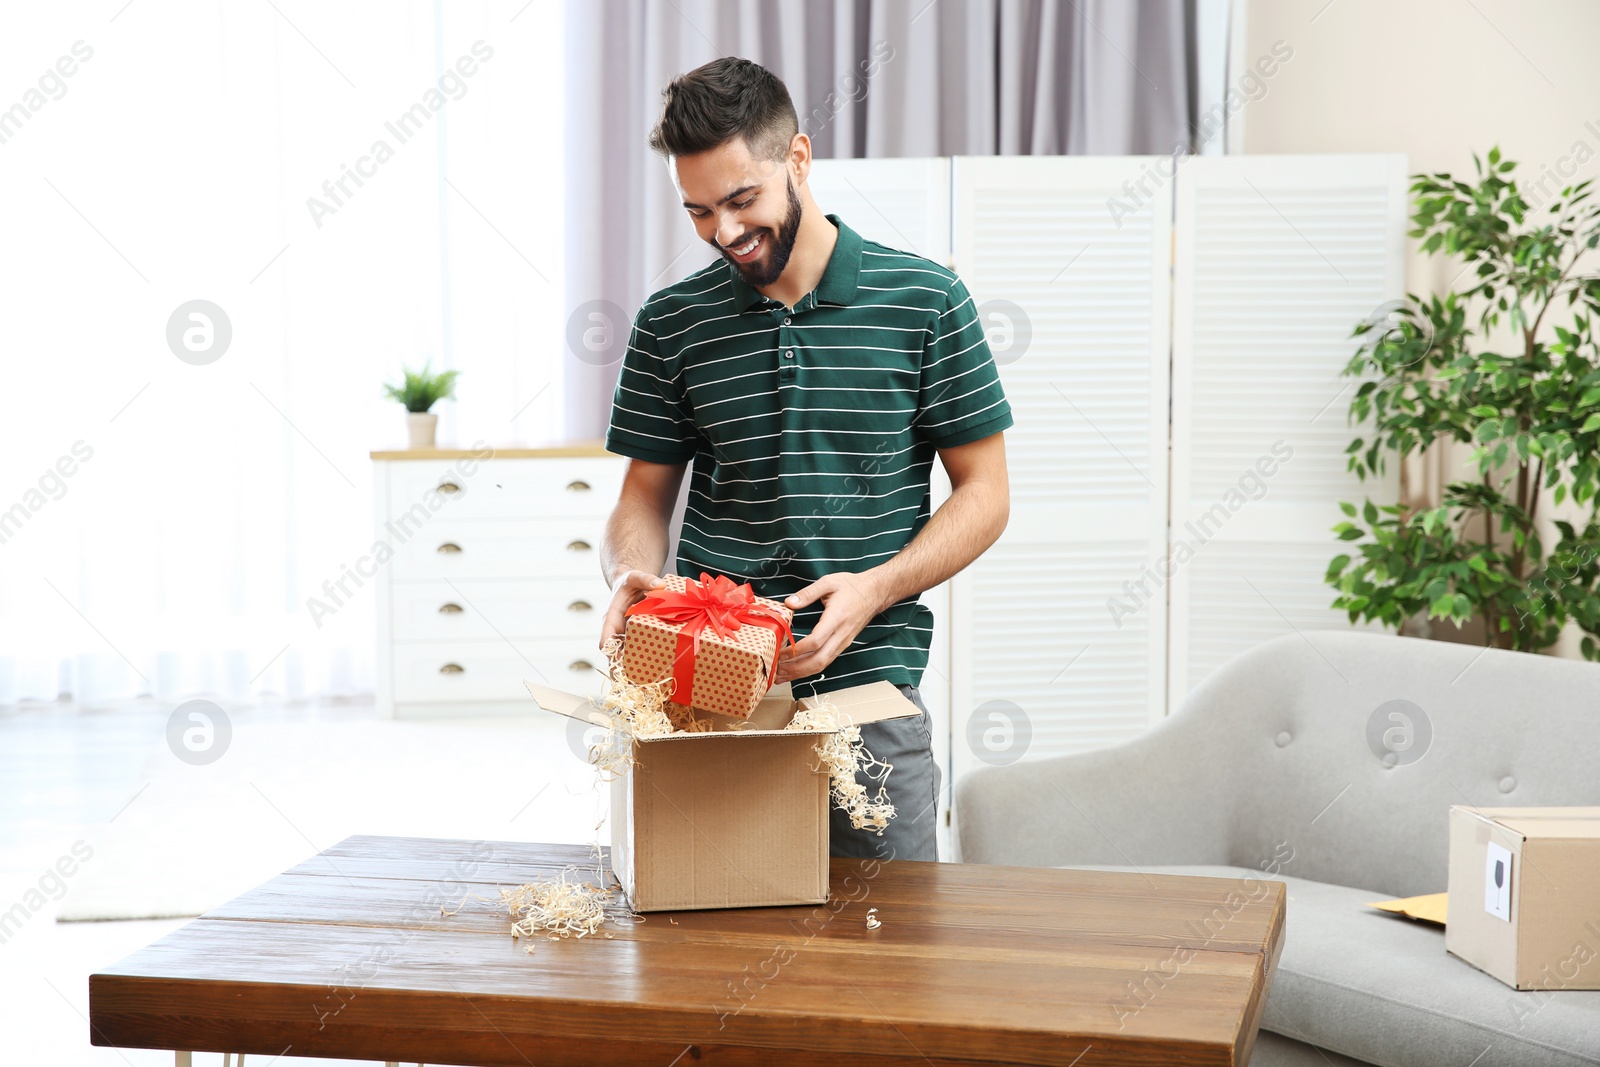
<point>1333,756</point>
<point>1302,721</point>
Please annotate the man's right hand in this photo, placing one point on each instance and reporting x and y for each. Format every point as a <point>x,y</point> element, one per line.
<point>630,588</point>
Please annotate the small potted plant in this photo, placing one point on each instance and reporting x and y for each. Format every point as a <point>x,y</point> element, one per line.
<point>419,392</point>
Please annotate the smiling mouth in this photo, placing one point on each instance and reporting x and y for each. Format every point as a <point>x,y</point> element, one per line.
<point>743,253</point>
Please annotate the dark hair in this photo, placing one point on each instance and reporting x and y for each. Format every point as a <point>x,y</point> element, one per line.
<point>724,99</point>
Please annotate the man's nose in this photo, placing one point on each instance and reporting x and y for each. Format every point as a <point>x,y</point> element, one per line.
<point>729,230</point>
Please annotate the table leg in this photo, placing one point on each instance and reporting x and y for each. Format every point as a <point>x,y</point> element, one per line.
<point>183,1059</point>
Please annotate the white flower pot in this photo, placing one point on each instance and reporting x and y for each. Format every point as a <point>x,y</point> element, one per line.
<point>420,426</point>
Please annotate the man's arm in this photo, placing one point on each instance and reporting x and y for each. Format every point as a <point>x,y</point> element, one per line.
<point>965,525</point>
<point>961,530</point>
<point>635,547</point>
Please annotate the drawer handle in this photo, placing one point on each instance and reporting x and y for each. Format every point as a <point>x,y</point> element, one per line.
<point>580,605</point>
<point>578,485</point>
<point>449,487</point>
<point>450,609</point>
<point>580,665</point>
<point>450,548</point>
<point>579,545</point>
<point>452,668</point>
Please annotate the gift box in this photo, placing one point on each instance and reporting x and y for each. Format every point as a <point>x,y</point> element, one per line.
<point>714,639</point>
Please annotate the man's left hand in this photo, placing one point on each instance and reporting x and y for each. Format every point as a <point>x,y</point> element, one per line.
<point>849,601</point>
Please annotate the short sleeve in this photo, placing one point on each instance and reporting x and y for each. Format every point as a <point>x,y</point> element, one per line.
<point>648,415</point>
<point>960,399</point>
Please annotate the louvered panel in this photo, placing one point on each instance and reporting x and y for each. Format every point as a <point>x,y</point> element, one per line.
<point>1083,386</point>
<point>1278,258</point>
<point>1082,682</point>
<point>1087,456</point>
<point>1281,275</point>
<point>1252,596</point>
<point>902,203</point>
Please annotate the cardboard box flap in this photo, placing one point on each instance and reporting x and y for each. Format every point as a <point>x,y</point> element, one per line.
<point>573,707</point>
<point>770,716</point>
<point>1550,822</point>
<point>683,736</point>
<point>857,705</point>
<point>1576,822</point>
<point>773,713</point>
<point>872,702</point>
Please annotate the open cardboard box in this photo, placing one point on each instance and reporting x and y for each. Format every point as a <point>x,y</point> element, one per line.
<point>735,817</point>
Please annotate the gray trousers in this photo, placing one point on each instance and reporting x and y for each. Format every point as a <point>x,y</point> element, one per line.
<point>913,786</point>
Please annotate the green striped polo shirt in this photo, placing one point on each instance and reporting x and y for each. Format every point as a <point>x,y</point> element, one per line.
<point>812,430</point>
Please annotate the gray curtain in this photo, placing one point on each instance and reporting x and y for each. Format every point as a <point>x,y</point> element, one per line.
<point>869,78</point>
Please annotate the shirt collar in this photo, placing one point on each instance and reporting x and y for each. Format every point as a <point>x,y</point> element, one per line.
<point>839,278</point>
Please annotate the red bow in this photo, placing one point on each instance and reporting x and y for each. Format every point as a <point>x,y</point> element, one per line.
<point>719,603</point>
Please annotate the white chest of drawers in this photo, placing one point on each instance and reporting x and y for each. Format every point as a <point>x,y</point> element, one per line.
<point>494,575</point>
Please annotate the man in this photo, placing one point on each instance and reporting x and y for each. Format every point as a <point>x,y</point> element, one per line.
<point>811,376</point>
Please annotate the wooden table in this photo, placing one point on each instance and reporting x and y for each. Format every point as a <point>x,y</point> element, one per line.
<point>349,955</point>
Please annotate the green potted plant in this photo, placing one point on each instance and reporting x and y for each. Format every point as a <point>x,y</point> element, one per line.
<point>419,391</point>
<point>1531,414</point>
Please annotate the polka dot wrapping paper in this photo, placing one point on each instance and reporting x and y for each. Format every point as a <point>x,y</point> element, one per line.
<point>729,674</point>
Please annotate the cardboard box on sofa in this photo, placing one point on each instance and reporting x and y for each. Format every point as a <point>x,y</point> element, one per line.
<point>1524,889</point>
<point>736,817</point>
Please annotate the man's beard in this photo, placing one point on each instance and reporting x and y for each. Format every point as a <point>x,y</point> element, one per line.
<point>764,272</point>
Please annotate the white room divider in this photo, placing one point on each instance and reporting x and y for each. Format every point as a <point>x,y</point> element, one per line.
<point>1076,297</point>
<point>1170,337</point>
<point>1277,259</point>
<point>902,203</point>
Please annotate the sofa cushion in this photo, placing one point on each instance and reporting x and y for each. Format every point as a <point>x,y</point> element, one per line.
<point>1275,1050</point>
<point>1382,989</point>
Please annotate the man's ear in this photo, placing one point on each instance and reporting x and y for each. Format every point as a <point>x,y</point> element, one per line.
<point>800,157</point>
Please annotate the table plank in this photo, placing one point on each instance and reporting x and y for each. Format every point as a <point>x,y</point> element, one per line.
<point>944,917</point>
<point>970,965</point>
<point>507,862</point>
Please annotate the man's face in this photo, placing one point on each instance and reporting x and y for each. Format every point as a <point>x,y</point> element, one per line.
<point>746,208</point>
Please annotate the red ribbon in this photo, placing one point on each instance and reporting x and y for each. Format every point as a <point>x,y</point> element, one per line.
<point>718,603</point>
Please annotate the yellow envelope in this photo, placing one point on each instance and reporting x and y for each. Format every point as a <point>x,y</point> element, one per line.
<point>1429,909</point>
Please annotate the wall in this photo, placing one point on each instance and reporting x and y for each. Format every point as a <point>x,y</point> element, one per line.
<point>1437,80</point>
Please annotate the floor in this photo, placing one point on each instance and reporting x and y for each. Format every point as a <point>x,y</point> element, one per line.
<point>94,780</point>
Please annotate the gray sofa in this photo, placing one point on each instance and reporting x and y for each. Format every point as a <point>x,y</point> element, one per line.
<point>1270,758</point>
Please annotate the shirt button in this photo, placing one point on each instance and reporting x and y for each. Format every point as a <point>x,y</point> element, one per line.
<point>789,354</point>
<point>786,320</point>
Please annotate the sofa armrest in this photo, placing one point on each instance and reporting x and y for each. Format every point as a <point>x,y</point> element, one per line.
<point>1145,802</point>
